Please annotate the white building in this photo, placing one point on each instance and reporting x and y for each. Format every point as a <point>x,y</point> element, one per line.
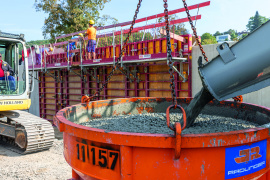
<point>224,37</point>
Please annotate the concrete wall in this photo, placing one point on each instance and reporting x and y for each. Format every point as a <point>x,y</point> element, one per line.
<point>261,97</point>
<point>34,108</point>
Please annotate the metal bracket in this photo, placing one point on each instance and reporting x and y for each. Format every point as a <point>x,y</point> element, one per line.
<point>133,50</point>
<point>34,77</point>
<point>132,73</point>
<point>91,74</point>
<point>225,53</point>
<point>179,73</point>
<point>56,78</point>
<point>80,75</point>
<point>181,53</point>
<point>123,72</point>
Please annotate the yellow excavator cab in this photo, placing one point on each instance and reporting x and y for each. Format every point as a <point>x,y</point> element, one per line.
<point>26,132</point>
<point>14,91</point>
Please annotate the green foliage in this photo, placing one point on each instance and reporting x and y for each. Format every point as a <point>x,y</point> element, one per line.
<point>243,35</point>
<point>234,36</point>
<point>135,37</point>
<point>217,33</point>
<point>147,35</point>
<point>178,29</point>
<point>30,43</point>
<point>230,32</point>
<point>38,42</point>
<point>208,38</point>
<point>68,16</point>
<point>255,21</point>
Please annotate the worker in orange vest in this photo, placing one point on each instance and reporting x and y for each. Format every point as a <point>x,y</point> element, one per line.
<point>91,46</point>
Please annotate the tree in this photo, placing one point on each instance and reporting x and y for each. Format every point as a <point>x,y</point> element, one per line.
<point>208,38</point>
<point>255,21</point>
<point>217,33</point>
<point>178,29</point>
<point>234,36</point>
<point>67,16</point>
<point>230,32</point>
<point>242,36</point>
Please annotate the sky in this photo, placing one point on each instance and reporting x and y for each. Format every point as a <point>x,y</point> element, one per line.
<point>20,16</point>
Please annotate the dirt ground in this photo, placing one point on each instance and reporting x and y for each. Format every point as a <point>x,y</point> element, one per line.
<point>48,164</point>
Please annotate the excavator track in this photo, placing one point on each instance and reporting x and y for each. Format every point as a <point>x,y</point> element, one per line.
<point>33,133</point>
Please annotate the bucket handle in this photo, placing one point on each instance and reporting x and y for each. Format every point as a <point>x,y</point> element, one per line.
<point>177,129</point>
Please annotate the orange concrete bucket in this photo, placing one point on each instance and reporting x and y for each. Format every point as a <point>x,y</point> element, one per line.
<point>100,154</point>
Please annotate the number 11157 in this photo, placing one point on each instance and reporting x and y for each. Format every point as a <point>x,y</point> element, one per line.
<point>97,156</point>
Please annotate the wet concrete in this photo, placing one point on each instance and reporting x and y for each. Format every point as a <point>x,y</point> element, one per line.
<point>156,123</point>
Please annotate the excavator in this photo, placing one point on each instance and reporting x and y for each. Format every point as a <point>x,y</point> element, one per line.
<point>20,130</point>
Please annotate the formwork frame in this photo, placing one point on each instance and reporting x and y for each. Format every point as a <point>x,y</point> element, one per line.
<point>56,95</point>
<point>144,62</point>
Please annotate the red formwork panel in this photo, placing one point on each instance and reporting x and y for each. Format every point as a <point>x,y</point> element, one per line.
<point>146,79</point>
<point>154,81</point>
<point>132,49</point>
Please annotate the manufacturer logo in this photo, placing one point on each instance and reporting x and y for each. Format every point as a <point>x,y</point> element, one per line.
<point>96,60</point>
<point>145,56</point>
<point>244,160</point>
<point>248,155</point>
<point>10,102</point>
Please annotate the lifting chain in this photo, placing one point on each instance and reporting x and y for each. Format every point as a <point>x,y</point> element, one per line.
<point>194,31</point>
<point>86,99</point>
<point>172,85</point>
<point>169,54</point>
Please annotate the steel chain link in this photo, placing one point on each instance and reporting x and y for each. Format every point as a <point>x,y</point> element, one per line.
<point>169,54</point>
<point>194,30</point>
<point>117,64</point>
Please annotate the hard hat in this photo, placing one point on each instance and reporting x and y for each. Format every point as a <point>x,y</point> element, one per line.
<point>91,22</point>
<point>80,34</point>
<point>75,37</point>
<point>51,49</point>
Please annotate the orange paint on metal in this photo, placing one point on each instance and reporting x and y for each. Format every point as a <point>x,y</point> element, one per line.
<point>168,116</point>
<point>100,154</point>
<point>177,140</point>
<point>157,46</point>
<point>139,48</point>
<point>164,46</point>
<point>172,45</point>
<point>150,47</point>
<point>107,52</point>
<point>238,98</point>
<point>85,99</point>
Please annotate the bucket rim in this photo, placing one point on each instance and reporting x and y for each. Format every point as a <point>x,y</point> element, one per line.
<point>218,139</point>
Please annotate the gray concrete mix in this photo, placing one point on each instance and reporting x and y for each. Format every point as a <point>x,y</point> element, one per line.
<point>156,123</point>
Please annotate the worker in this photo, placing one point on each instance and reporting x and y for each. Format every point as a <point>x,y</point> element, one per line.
<point>81,41</point>
<point>91,46</point>
<point>42,51</point>
<point>72,46</point>
<point>6,73</point>
<point>22,58</point>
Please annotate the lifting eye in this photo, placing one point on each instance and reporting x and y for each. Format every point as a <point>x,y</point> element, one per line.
<point>221,47</point>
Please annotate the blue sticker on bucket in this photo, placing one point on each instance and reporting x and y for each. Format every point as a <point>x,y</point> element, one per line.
<point>244,160</point>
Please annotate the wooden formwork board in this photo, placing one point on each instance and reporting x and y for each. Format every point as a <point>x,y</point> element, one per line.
<point>154,81</point>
